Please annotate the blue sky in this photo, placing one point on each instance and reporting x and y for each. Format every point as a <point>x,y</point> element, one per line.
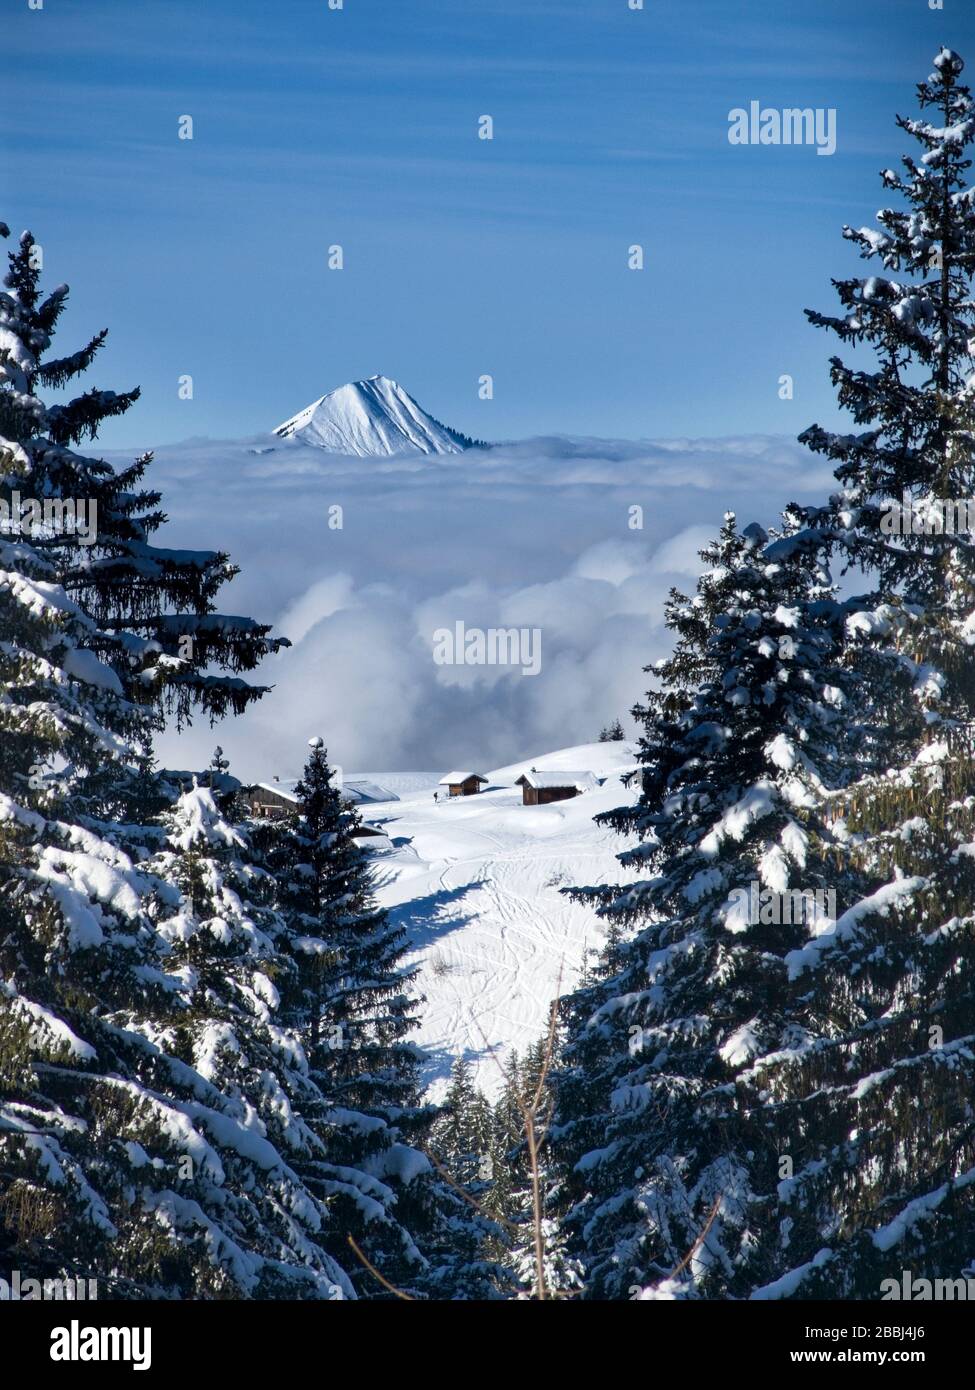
<point>463,257</point>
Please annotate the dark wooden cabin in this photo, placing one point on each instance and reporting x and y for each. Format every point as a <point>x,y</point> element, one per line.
<point>539,788</point>
<point>272,800</point>
<point>463,783</point>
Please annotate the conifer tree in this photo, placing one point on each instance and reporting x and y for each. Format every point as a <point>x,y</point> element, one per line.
<point>507,1140</point>
<point>356,991</point>
<point>878,1116</point>
<point>218,769</point>
<point>220,926</point>
<point>612,733</point>
<point>837,1143</point>
<point>215,915</point>
<point>461,1136</point>
<point>349,999</point>
<point>533,1228</point>
<point>657,1134</point>
<point>101,1117</point>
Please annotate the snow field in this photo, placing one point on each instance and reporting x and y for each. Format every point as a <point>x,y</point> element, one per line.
<point>475,881</point>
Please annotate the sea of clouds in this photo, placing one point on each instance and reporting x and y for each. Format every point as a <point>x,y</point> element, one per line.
<point>535,534</point>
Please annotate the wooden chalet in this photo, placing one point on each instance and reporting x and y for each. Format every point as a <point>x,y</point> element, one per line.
<point>273,800</point>
<point>463,783</point>
<point>539,788</point>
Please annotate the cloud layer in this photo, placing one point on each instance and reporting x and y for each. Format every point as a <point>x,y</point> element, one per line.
<point>540,535</point>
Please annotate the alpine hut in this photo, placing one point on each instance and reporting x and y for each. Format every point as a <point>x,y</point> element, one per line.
<point>539,788</point>
<point>463,783</point>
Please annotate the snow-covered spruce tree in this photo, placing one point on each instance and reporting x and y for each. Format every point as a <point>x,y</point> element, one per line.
<point>486,1153</point>
<point>118,1160</point>
<point>507,1137</point>
<point>562,1274</point>
<point>349,999</point>
<point>526,1088</point>
<point>661,1144</point>
<point>612,733</point>
<point>880,1114</point>
<point>218,769</point>
<point>461,1135</point>
<point>221,925</point>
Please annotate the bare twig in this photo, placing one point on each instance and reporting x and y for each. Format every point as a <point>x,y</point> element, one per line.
<point>698,1243</point>
<point>549,1043</point>
<point>407,1297</point>
<point>529,1110</point>
<point>471,1201</point>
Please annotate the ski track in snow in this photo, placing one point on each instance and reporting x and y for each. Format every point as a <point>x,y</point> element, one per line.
<point>475,881</point>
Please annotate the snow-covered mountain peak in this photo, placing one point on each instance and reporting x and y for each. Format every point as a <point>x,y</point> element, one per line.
<point>371,419</point>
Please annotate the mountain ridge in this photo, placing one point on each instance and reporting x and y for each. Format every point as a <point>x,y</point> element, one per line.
<point>372,418</point>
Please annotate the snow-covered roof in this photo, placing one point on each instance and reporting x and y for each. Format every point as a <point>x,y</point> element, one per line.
<point>452,778</point>
<point>372,843</point>
<point>283,789</point>
<point>582,781</point>
<point>355,790</point>
<point>360,789</point>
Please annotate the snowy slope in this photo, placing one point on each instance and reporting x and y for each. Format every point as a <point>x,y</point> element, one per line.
<point>475,881</point>
<point>371,419</point>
